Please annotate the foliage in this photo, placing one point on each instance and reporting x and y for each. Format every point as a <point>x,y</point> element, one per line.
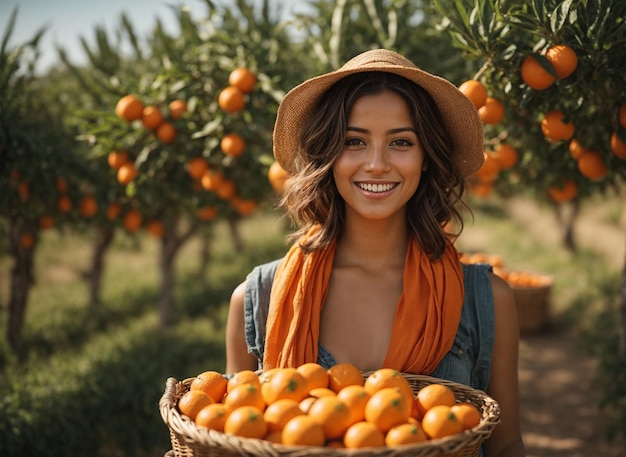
<point>499,35</point>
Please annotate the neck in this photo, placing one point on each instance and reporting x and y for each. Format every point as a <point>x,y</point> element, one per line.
<point>373,245</point>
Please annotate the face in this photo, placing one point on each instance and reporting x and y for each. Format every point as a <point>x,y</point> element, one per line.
<point>381,163</point>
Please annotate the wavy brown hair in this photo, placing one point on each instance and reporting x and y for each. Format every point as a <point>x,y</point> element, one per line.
<point>312,197</point>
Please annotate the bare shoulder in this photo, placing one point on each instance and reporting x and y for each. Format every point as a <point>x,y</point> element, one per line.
<point>504,300</point>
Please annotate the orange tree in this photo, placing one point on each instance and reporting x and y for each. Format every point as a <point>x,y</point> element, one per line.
<point>556,68</point>
<point>189,142</point>
<point>41,179</point>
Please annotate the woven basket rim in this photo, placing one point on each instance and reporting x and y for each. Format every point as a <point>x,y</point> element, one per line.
<point>180,425</point>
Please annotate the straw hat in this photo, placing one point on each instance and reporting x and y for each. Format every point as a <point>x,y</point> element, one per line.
<point>460,117</point>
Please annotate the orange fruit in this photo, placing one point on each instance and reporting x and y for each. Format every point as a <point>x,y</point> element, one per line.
<point>64,204</point>
<point>244,395</point>
<point>88,206</point>
<point>534,75</point>
<point>27,240</point>
<point>319,392</point>
<point>475,91</point>
<point>46,222</point>
<point>467,413</point>
<point>277,177</point>
<point>440,421</point>
<point>409,433</point>
<point>243,377</point>
<point>433,395</point>
<point>387,408</point>
<point>303,431</point>
<point>129,108</point>
<point>363,434</point>
<point>622,116</point>
<point>280,412</point>
<point>243,207</point>
<point>177,108</point>
<point>226,189</point>
<point>355,398</point>
<point>211,383</point>
<point>342,375</point>
<point>192,401</point>
<point>575,149</point>
<point>506,155</point>
<point>155,228</point>
<point>113,210</point>
<point>116,159</point>
<point>166,132</point>
<point>211,180</point>
<point>231,99</point>
<point>332,414</point>
<point>24,190</point>
<point>132,220</point>
<point>492,112</point>
<point>285,383</point>
<point>151,117</point>
<point>206,213</point>
<point>305,404</point>
<point>274,437</point>
<point>563,193</point>
<point>618,146</point>
<point>243,79</point>
<point>488,171</point>
<point>212,417</point>
<point>563,59</point>
<point>314,374</point>
<point>555,128</point>
<point>126,173</point>
<point>233,145</point>
<point>61,185</point>
<point>246,421</point>
<point>388,377</point>
<point>196,167</point>
<point>591,165</point>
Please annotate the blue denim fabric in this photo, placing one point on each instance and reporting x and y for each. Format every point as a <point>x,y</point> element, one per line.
<point>468,361</point>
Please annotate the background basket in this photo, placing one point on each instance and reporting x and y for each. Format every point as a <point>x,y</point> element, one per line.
<point>188,440</point>
<point>533,305</point>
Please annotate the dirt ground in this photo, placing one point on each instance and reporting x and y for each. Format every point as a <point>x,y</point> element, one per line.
<point>559,410</point>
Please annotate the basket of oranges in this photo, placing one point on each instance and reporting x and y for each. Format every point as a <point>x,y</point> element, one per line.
<point>532,293</point>
<point>335,412</point>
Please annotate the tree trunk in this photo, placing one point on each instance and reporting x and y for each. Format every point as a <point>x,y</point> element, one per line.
<point>171,242</point>
<point>568,223</point>
<point>233,225</point>
<point>104,238</point>
<point>22,279</point>
<point>206,240</point>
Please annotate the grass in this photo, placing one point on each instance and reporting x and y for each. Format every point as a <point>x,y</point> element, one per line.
<point>109,367</point>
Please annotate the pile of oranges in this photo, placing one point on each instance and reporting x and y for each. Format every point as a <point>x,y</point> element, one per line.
<point>337,407</point>
<point>514,278</point>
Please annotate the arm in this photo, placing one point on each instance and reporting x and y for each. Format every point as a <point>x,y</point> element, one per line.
<point>506,439</point>
<point>237,356</point>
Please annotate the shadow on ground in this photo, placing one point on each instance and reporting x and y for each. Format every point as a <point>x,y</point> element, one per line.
<point>559,404</point>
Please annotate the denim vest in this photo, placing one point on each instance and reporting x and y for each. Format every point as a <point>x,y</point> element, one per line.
<point>468,361</point>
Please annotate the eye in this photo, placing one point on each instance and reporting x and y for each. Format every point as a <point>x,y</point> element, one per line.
<point>402,143</point>
<point>353,141</point>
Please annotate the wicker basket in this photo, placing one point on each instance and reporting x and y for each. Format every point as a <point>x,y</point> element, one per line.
<point>188,440</point>
<point>533,305</point>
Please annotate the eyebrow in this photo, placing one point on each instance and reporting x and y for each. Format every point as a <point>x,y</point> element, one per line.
<point>392,131</point>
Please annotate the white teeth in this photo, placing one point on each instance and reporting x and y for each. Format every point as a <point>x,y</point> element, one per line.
<point>376,187</point>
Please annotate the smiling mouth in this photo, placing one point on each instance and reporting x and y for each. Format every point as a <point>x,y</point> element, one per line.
<point>376,188</point>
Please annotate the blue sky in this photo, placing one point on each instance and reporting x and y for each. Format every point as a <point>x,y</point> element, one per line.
<point>69,20</point>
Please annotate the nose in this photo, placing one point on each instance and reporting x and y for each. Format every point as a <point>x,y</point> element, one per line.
<point>377,160</point>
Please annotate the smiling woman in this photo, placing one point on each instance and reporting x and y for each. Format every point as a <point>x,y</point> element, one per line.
<point>378,152</point>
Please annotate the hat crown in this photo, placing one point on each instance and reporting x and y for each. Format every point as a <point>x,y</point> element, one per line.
<point>377,58</point>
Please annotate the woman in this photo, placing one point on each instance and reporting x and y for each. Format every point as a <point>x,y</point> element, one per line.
<point>378,152</point>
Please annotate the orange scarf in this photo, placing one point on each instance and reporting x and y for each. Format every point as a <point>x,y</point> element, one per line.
<point>425,323</point>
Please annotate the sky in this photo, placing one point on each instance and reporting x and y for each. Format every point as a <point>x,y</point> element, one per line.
<point>66,21</point>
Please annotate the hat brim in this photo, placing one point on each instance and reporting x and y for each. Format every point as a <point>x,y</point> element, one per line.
<point>459,115</point>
